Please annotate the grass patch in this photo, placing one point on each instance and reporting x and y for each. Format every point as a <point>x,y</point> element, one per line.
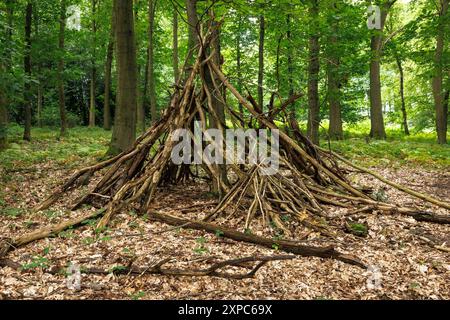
<point>79,145</point>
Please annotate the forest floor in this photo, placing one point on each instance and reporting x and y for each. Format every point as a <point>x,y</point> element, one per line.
<point>407,253</point>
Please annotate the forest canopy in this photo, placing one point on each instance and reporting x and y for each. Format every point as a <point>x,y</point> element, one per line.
<point>59,68</point>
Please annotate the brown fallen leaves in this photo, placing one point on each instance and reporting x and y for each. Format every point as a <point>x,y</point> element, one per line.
<point>409,266</point>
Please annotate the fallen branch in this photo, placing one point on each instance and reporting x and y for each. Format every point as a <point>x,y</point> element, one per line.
<point>212,271</point>
<point>7,245</point>
<point>283,245</point>
<point>416,194</point>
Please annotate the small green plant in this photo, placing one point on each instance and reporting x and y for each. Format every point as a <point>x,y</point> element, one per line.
<point>138,295</point>
<point>50,214</point>
<point>36,262</point>
<point>358,229</point>
<point>88,240</point>
<point>200,249</point>
<point>219,233</point>
<point>13,212</point>
<point>29,224</point>
<point>105,238</point>
<point>90,222</point>
<point>118,269</point>
<point>276,247</point>
<point>67,234</point>
<point>133,225</point>
<point>46,251</point>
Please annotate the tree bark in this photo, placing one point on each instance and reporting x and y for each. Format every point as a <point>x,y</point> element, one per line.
<point>191,8</point>
<point>27,69</point>
<point>262,29</point>
<point>61,94</point>
<point>334,85</point>
<point>292,113</point>
<point>402,95</point>
<point>438,94</point>
<point>4,67</point>
<point>151,67</point>
<point>175,59</point>
<point>377,130</point>
<point>3,113</point>
<point>313,74</point>
<point>93,67</point>
<point>239,63</point>
<point>108,66</point>
<point>124,132</point>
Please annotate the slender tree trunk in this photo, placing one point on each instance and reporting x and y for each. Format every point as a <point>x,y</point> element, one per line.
<point>175,59</point>
<point>27,68</point>
<point>262,31</point>
<point>39,78</point>
<point>402,95</point>
<point>151,71</point>
<point>377,130</point>
<point>3,113</point>
<point>124,132</point>
<point>40,100</point>
<point>3,123</point>
<point>93,67</point>
<point>61,94</point>
<point>108,66</point>
<point>4,67</point>
<point>313,75</point>
<point>438,94</point>
<point>141,95</point>
<point>446,102</point>
<point>277,63</point>
<point>292,112</point>
<point>239,63</point>
<point>334,84</point>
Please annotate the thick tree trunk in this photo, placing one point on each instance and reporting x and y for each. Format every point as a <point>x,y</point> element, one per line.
<point>191,8</point>
<point>313,74</point>
<point>61,94</point>
<point>262,30</point>
<point>108,66</point>
<point>402,95</point>
<point>175,59</point>
<point>93,67</point>
<point>377,130</point>
<point>151,67</point>
<point>124,132</point>
<point>438,93</point>
<point>27,69</point>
